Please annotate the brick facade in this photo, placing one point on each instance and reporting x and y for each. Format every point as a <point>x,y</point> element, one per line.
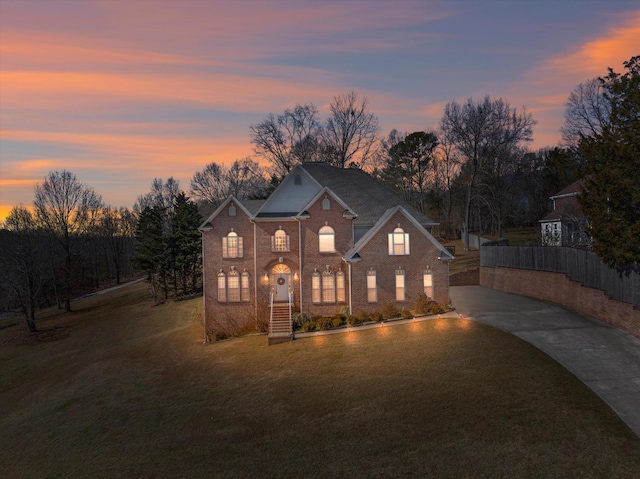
<point>296,267</point>
<point>558,288</point>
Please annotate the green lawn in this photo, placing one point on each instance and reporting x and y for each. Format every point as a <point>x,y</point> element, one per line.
<point>127,389</point>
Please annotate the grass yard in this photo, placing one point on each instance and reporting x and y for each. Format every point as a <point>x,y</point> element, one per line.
<point>127,389</point>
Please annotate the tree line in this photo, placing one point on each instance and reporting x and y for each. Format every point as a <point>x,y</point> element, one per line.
<point>473,172</point>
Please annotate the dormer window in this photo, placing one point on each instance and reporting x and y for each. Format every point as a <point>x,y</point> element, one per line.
<point>398,242</point>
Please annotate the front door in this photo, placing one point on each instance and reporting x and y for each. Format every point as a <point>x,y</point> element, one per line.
<point>281,287</point>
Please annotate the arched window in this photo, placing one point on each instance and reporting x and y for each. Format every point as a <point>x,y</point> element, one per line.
<point>340,287</point>
<point>232,246</point>
<point>398,242</point>
<point>280,241</point>
<point>328,287</point>
<point>233,286</point>
<point>327,240</point>
<point>326,204</point>
<point>222,286</point>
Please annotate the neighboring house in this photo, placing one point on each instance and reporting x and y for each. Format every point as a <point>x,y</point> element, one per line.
<point>566,224</point>
<point>327,239</point>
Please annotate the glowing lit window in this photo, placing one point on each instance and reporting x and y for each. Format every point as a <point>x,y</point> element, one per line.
<point>327,239</point>
<point>427,280</point>
<point>400,289</point>
<point>232,246</point>
<point>315,288</point>
<point>372,288</point>
<point>398,242</point>
<point>244,286</point>
<point>222,287</point>
<point>233,286</point>
<point>340,287</point>
<point>328,287</point>
<point>280,241</point>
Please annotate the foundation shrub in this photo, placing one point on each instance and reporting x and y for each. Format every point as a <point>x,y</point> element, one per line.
<point>299,320</point>
<point>406,314</point>
<point>363,316</point>
<point>337,320</point>
<point>390,311</point>
<point>324,323</point>
<point>352,320</point>
<point>376,316</point>
<point>424,305</point>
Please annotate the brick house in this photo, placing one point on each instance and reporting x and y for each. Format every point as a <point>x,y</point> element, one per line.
<point>566,224</point>
<point>326,239</point>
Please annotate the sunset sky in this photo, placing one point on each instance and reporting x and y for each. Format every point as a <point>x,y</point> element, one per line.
<point>122,91</point>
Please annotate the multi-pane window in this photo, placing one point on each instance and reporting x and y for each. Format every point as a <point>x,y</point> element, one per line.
<point>244,286</point>
<point>232,246</point>
<point>340,287</point>
<point>372,288</point>
<point>328,287</point>
<point>280,241</point>
<point>398,242</point>
<point>327,239</point>
<point>315,288</point>
<point>233,286</point>
<point>222,286</point>
<point>400,289</point>
<point>427,280</point>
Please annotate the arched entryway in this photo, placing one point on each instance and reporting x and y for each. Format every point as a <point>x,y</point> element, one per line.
<point>281,282</point>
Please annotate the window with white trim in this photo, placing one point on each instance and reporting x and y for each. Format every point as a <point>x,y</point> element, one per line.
<point>427,281</point>
<point>340,287</point>
<point>400,289</point>
<point>222,286</point>
<point>372,287</point>
<point>316,290</point>
<point>244,286</point>
<point>232,246</point>
<point>327,240</point>
<point>233,286</point>
<point>280,241</point>
<point>398,242</point>
<point>328,287</point>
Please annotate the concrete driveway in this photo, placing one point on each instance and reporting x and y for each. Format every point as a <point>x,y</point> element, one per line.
<point>604,358</point>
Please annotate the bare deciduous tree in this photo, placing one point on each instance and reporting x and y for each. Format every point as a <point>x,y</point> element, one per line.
<point>350,135</point>
<point>68,209</point>
<point>587,112</point>
<point>483,132</point>
<point>288,139</point>
<point>243,179</point>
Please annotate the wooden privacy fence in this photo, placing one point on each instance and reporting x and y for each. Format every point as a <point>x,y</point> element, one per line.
<point>581,266</point>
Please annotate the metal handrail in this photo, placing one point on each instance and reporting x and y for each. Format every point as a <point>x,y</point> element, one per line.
<point>271,311</point>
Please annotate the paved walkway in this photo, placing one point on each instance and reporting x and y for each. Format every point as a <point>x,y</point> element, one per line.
<point>604,358</point>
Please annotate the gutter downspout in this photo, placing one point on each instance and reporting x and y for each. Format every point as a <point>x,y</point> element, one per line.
<point>300,260</point>
<point>255,273</point>
<point>204,294</point>
<point>350,289</point>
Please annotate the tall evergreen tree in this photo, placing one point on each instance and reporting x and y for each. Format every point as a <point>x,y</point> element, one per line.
<point>186,240</point>
<point>611,199</point>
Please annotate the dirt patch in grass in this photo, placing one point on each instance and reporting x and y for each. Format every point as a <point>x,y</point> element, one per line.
<point>133,392</point>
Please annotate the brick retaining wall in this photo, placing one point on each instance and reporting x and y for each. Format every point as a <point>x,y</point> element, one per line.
<point>558,288</point>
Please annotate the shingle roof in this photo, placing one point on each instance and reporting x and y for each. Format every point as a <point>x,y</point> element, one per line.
<point>573,188</point>
<point>367,197</point>
<point>252,206</point>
